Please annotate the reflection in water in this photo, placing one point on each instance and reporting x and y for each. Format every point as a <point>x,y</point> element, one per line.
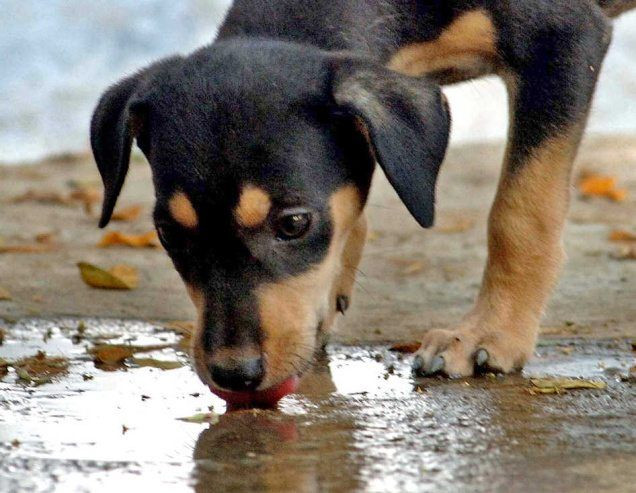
<point>298,450</point>
<point>359,423</point>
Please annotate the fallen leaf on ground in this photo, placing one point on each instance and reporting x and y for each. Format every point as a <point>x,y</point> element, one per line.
<point>111,354</point>
<point>43,197</point>
<point>88,196</point>
<point>40,369</point>
<point>116,238</point>
<point>32,248</point>
<point>620,235</point>
<point>114,354</point>
<point>374,235</point>
<point>595,185</point>
<point>4,294</point>
<point>155,363</point>
<point>45,238</point>
<point>406,347</point>
<point>118,277</point>
<point>127,214</point>
<point>560,385</point>
<point>457,226</point>
<point>413,268</point>
<point>211,418</point>
<point>627,252</point>
<point>409,267</point>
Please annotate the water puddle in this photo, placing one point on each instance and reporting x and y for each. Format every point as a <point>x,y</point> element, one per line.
<point>359,422</point>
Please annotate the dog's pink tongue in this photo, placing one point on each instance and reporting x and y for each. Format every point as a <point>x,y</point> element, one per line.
<point>259,398</point>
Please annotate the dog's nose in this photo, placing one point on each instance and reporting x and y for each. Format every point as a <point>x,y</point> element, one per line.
<point>238,374</point>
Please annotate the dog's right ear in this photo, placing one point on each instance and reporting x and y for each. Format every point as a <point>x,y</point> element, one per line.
<point>115,123</point>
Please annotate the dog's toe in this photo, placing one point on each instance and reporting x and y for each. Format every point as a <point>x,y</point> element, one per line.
<point>462,353</point>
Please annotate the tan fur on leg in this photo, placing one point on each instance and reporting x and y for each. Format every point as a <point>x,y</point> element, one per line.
<point>525,255</point>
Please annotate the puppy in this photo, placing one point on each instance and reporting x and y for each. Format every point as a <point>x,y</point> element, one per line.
<point>263,145</point>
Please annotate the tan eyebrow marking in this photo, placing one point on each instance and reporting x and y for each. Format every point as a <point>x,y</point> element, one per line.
<point>182,210</point>
<point>253,207</point>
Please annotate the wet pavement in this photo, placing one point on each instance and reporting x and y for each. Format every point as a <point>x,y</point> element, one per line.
<point>359,423</point>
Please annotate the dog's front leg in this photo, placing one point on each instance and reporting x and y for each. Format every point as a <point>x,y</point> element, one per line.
<point>550,93</point>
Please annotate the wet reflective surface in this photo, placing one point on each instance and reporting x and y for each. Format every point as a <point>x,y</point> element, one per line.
<point>359,423</point>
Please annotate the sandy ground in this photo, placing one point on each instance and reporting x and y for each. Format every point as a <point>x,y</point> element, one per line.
<point>411,279</point>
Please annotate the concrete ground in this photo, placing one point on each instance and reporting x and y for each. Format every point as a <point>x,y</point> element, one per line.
<point>360,421</point>
<point>410,280</point>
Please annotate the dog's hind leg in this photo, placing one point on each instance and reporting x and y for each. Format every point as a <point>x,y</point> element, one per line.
<point>551,87</point>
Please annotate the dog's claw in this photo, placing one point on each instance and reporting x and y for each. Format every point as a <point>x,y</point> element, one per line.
<point>342,303</point>
<point>437,365</point>
<point>481,357</point>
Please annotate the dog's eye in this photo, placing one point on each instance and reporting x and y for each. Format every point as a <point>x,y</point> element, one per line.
<point>292,224</point>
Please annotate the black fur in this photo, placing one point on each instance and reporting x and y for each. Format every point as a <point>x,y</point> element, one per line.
<point>277,101</point>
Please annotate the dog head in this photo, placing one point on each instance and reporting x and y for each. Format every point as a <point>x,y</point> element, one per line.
<point>262,155</point>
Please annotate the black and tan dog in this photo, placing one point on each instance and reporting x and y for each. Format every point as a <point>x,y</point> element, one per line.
<point>263,144</point>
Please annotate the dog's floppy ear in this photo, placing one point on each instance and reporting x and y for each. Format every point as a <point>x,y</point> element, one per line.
<point>407,121</point>
<point>114,125</point>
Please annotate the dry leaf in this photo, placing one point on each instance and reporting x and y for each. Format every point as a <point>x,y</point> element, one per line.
<point>413,268</point>
<point>4,294</point>
<point>88,196</point>
<point>406,347</point>
<point>211,418</point>
<point>155,363</point>
<point>458,226</point>
<point>627,252</point>
<point>43,197</point>
<point>35,248</point>
<point>45,238</point>
<point>126,273</point>
<point>620,235</point>
<point>114,354</point>
<point>3,334</point>
<point>111,354</point>
<point>25,377</point>
<point>127,214</point>
<point>594,185</point>
<point>116,238</point>
<point>560,385</point>
<point>40,369</point>
<point>409,266</point>
<point>119,277</point>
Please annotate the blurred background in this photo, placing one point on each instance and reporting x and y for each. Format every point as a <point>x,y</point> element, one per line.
<point>59,55</point>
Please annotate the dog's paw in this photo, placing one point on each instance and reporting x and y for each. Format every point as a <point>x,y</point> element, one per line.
<point>468,351</point>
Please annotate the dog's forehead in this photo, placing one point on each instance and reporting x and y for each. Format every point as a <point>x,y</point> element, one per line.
<point>228,118</point>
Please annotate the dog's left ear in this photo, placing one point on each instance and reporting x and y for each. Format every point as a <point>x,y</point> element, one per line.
<point>113,127</point>
<point>407,122</point>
